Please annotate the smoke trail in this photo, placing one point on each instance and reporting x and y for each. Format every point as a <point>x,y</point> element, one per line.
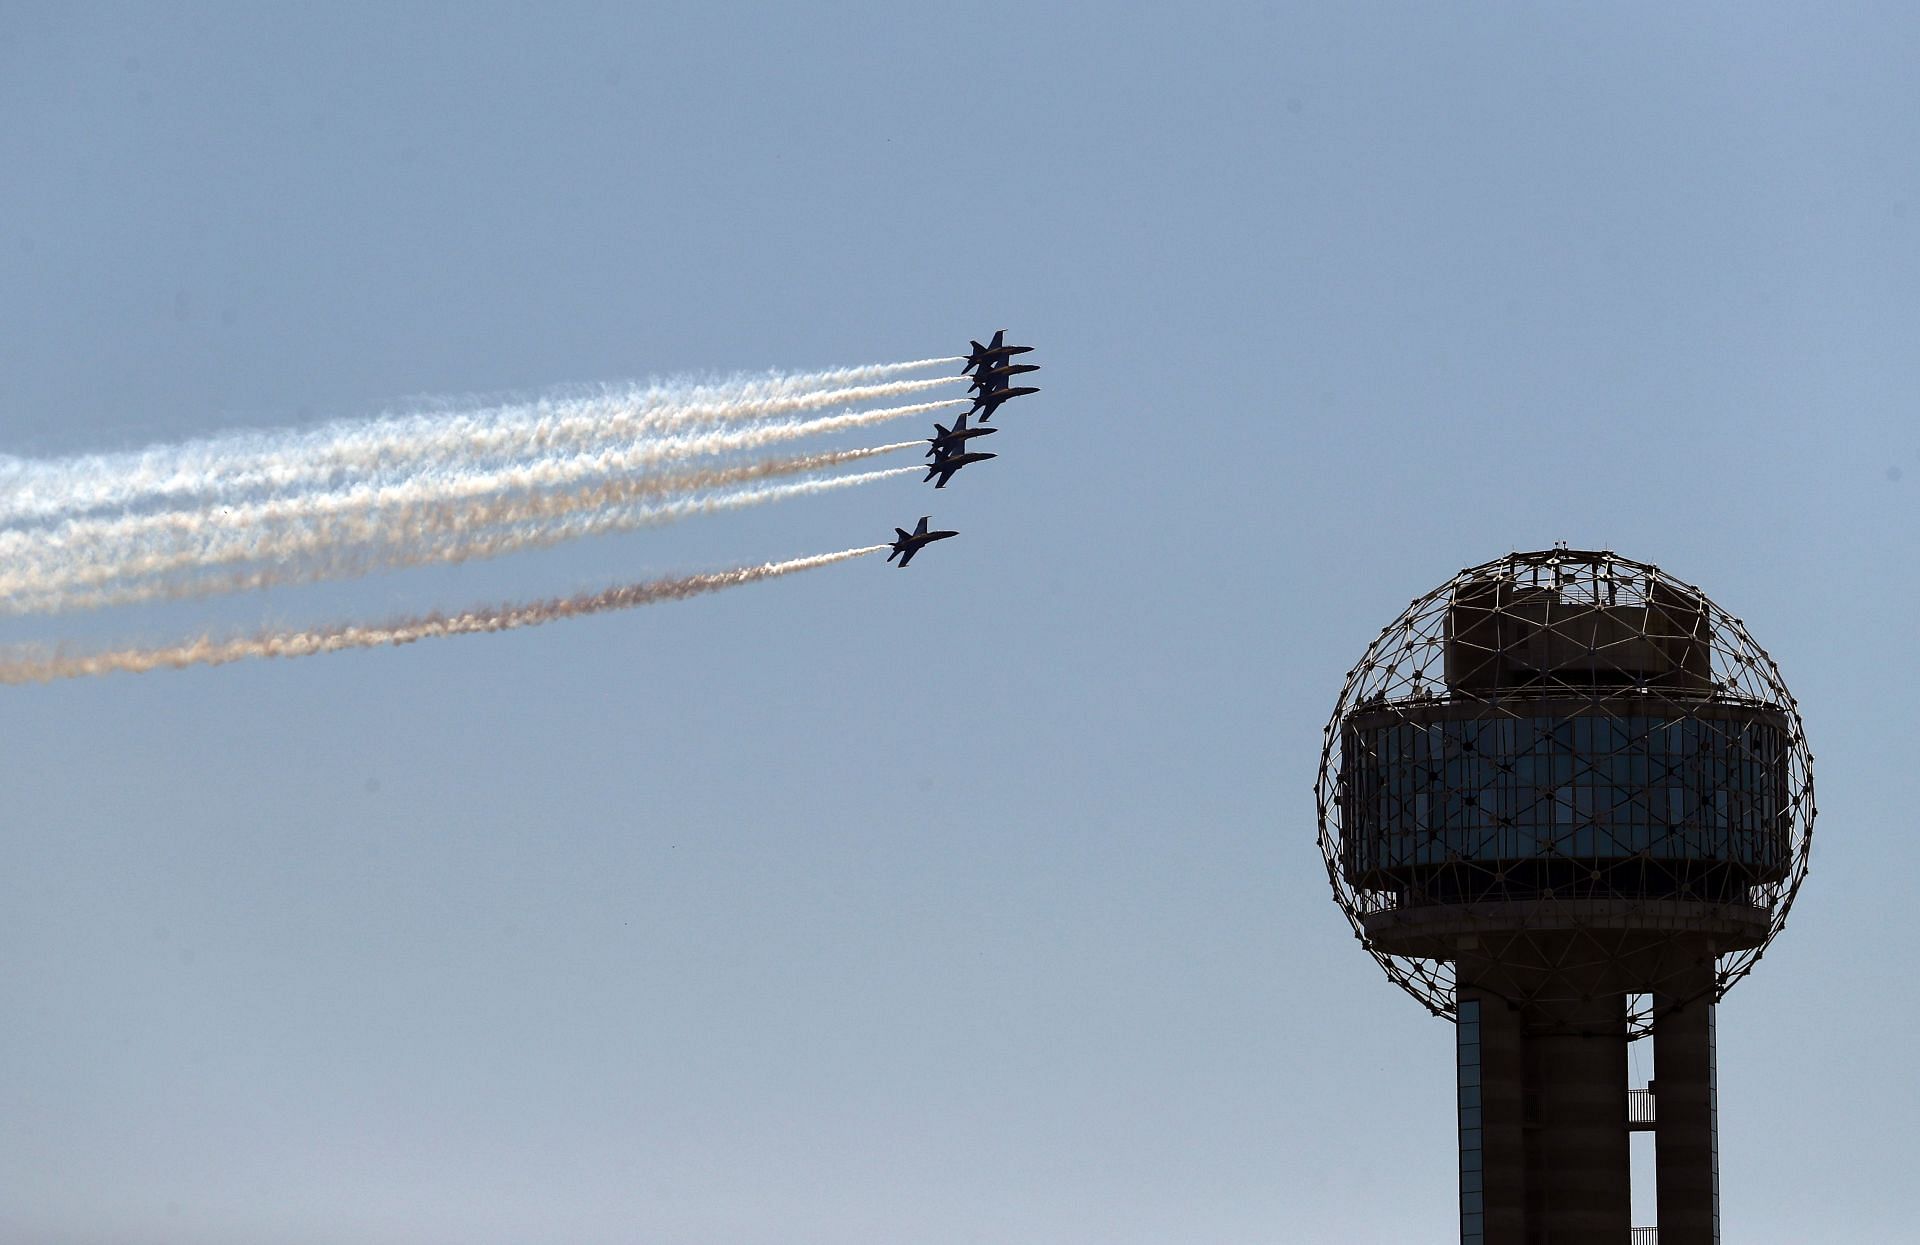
<point>236,464</point>
<point>30,667</point>
<point>408,539</point>
<point>625,519</point>
<point>236,447</point>
<point>92,551</point>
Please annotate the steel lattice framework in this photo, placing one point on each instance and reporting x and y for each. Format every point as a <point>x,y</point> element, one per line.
<point>1564,741</point>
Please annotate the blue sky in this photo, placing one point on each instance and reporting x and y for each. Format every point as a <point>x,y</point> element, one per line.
<point>981,902</point>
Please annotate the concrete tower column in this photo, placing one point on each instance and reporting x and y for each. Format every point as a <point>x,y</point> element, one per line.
<point>1555,1160</point>
<point>1580,1163</point>
<point>1685,1133</point>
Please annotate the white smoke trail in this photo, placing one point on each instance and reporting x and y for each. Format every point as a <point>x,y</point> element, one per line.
<point>40,667</point>
<point>96,550</point>
<point>240,464</point>
<point>467,532</point>
<point>238,448</point>
<point>627,518</point>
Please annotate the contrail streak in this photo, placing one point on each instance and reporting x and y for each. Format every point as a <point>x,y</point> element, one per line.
<point>409,538</point>
<point>626,519</point>
<point>30,667</point>
<point>95,550</point>
<point>240,463</point>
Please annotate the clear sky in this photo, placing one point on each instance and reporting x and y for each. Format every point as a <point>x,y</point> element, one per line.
<point>981,902</point>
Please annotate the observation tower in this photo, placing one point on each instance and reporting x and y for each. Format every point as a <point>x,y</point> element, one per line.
<point>1566,800</point>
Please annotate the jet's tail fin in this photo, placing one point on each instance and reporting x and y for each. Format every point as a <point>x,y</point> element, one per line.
<point>922,529</point>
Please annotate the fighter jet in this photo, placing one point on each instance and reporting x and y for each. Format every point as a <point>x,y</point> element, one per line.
<point>992,354</point>
<point>946,464</point>
<point>987,403</point>
<point>910,542</point>
<point>987,381</point>
<point>951,441</point>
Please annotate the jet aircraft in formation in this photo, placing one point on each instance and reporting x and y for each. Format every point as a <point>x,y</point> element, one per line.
<point>991,387</point>
<point>993,374</point>
<point>910,543</point>
<point>948,441</point>
<point>993,353</point>
<point>987,403</point>
<point>945,465</point>
<point>989,379</point>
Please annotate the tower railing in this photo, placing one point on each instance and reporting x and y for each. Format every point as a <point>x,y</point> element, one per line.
<point>1640,1109</point>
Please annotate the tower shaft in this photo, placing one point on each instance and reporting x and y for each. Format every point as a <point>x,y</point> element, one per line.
<point>1686,1134</point>
<point>1544,1120</point>
<point>1553,1084</point>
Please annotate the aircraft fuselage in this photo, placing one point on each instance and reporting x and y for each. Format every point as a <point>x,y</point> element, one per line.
<point>945,467</point>
<point>992,354</point>
<point>996,378</point>
<point>951,443</point>
<point>988,403</point>
<point>908,545</point>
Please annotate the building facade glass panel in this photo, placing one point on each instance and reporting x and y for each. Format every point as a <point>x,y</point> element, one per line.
<point>1698,791</point>
<point>1467,1047</point>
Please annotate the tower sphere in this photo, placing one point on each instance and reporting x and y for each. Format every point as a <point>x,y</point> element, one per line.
<point>1574,772</point>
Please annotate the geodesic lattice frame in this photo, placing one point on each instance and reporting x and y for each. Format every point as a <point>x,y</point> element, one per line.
<point>1404,673</point>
